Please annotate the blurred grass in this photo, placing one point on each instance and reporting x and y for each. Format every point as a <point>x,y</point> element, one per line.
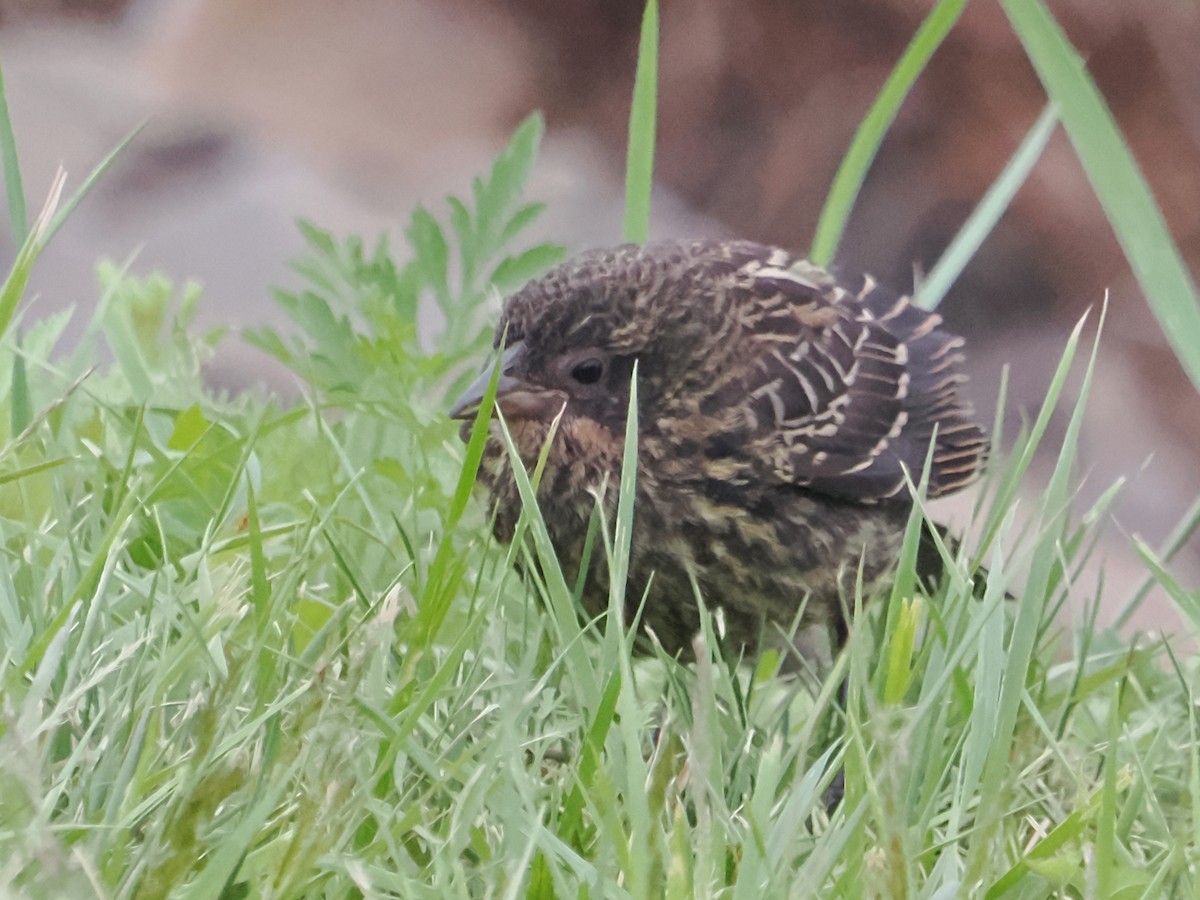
<point>255,651</point>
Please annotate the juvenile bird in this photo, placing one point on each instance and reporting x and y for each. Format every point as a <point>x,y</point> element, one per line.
<point>776,409</point>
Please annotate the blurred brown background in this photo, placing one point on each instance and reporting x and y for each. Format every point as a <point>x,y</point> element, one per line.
<point>350,112</point>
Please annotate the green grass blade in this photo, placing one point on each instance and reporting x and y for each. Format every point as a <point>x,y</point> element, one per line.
<point>20,402</point>
<point>643,834</point>
<point>14,186</point>
<point>1179,537</point>
<point>1186,602</point>
<point>1116,179</point>
<point>35,469</point>
<point>18,276</point>
<point>639,162</point>
<point>69,207</point>
<point>985,216</point>
<point>622,545</point>
<point>853,171</point>
<point>1008,487</point>
<point>260,587</point>
<point>49,220</point>
<point>1029,616</point>
<point>446,569</point>
<point>587,678</point>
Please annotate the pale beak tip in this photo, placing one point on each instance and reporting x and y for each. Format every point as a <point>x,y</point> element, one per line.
<point>464,408</point>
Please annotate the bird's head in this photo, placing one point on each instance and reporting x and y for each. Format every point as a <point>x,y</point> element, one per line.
<point>569,339</point>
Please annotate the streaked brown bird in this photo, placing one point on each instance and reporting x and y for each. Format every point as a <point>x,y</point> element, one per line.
<point>777,411</point>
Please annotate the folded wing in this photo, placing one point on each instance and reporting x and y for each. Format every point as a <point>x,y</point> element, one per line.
<point>844,391</point>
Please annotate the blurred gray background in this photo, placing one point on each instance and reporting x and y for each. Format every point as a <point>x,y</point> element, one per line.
<point>350,112</point>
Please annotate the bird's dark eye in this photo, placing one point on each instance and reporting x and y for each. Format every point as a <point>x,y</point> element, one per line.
<point>589,371</point>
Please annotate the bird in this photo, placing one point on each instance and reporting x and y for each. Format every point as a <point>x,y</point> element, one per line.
<point>781,419</point>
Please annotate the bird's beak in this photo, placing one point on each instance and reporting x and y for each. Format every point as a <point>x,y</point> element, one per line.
<point>517,399</point>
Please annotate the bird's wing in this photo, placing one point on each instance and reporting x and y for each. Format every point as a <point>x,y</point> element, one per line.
<point>844,391</point>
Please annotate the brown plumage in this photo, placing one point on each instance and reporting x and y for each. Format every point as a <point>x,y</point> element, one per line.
<point>777,412</point>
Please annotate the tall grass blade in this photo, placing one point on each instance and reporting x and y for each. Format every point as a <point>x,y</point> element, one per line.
<point>984,217</point>
<point>18,276</point>
<point>103,166</point>
<point>14,185</point>
<point>853,171</point>
<point>643,113</point>
<point>1030,615</point>
<point>586,678</point>
<point>1116,178</point>
<point>1179,537</point>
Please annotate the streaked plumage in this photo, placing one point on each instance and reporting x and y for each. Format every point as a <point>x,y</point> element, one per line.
<point>777,412</point>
